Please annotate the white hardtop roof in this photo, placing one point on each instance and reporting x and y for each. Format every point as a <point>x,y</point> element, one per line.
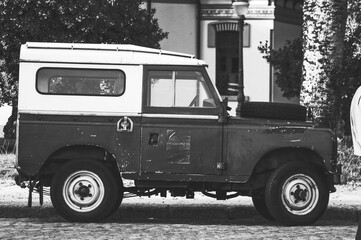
<point>102,54</point>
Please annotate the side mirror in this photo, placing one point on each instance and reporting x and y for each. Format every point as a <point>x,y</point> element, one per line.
<point>223,118</point>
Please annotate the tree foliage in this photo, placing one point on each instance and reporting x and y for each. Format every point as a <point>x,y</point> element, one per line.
<point>350,74</point>
<point>323,45</point>
<point>333,73</point>
<point>91,21</point>
<point>287,63</point>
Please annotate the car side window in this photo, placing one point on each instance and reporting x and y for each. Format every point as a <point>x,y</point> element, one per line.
<point>178,89</point>
<point>94,82</point>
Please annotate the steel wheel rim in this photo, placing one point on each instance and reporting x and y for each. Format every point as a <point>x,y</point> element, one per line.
<point>300,194</point>
<point>83,191</point>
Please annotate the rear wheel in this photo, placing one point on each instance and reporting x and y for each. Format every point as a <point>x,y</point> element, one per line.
<point>120,195</point>
<point>85,191</point>
<point>296,194</point>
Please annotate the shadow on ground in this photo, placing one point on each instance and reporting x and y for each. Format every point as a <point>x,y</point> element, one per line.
<point>199,214</point>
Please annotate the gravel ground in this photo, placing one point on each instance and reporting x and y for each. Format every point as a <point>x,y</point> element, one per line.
<point>173,218</point>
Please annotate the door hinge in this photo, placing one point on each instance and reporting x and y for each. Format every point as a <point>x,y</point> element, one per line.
<point>222,119</point>
<point>221,166</point>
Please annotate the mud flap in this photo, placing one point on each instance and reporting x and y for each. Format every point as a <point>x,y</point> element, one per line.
<point>30,197</point>
<point>32,184</point>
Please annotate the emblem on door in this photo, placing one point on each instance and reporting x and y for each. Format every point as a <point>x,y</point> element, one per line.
<point>125,124</point>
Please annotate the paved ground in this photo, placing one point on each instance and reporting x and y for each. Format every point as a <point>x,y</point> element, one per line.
<point>29,228</point>
<point>173,218</point>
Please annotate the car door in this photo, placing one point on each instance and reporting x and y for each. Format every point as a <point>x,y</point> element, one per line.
<point>180,130</point>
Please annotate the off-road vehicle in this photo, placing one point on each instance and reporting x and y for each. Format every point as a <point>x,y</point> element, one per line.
<point>93,115</point>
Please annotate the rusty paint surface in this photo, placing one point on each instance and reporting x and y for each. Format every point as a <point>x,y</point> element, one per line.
<point>178,147</point>
<point>189,146</point>
<point>249,141</point>
<point>43,135</point>
<point>170,149</point>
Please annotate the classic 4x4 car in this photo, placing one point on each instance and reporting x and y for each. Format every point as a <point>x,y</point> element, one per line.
<point>92,115</point>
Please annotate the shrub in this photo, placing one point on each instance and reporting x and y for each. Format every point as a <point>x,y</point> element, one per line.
<point>351,164</point>
<point>7,166</point>
<point>287,62</point>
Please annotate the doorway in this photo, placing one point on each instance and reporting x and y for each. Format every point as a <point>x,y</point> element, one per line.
<point>227,62</point>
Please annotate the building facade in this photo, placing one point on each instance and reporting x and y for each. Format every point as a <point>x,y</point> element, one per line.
<point>209,30</point>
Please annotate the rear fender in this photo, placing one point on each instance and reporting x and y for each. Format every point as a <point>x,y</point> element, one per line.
<point>70,153</point>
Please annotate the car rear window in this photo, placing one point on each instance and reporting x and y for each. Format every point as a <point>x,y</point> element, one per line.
<point>95,82</point>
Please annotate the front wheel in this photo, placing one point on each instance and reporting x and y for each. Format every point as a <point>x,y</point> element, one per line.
<point>296,194</point>
<point>84,191</point>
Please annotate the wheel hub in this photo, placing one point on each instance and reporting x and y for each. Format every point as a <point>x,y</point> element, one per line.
<point>300,194</point>
<point>83,191</point>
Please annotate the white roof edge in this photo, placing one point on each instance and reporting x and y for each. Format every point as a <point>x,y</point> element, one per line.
<point>79,113</point>
<point>104,47</point>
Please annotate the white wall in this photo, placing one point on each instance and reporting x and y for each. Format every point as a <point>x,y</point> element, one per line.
<point>256,68</point>
<point>208,54</point>
<point>180,20</point>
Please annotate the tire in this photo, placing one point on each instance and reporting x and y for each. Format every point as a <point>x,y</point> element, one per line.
<point>120,195</point>
<point>296,194</point>
<point>85,191</point>
<point>259,202</point>
<point>271,110</point>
